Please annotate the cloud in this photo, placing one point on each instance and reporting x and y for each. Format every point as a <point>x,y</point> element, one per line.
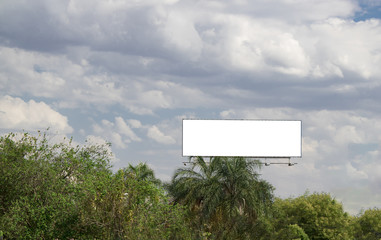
<point>134,123</point>
<point>153,55</point>
<point>155,134</point>
<point>354,173</point>
<point>58,77</point>
<point>339,147</point>
<point>125,130</point>
<point>19,115</point>
<point>245,35</point>
<point>346,46</point>
<point>292,11</point>
<point>118,133</point>
<point>153,60</point>
<point>331,132</point>
<point>30,72</point>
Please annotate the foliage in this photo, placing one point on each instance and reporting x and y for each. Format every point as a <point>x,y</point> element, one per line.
<point>131,208</point>
<point>291,232</point>
<point>318,215</point>
<point>368,225</point>
<point>224,197</point>
<point>37,194</point>
<point>61,191</point>
<point>142,172</point>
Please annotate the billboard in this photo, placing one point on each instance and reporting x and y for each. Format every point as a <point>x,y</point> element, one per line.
<point>247,138</point>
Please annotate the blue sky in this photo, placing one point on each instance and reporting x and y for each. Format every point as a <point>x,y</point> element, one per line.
<point>128,72</point>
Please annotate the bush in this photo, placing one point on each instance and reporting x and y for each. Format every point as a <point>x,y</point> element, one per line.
<point>62,191</point>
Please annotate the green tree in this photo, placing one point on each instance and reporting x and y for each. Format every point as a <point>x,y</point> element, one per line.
<point>224,196</point>
<point>152,215</point>
<point>291,232</point>
<point>42,185</point>
<point>318,215</point>
<point>131,208</point>
<point>368,225</point>
<point>62,191</point>
<point>142,172</point>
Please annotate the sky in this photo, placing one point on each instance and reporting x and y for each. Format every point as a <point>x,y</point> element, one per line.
<point>128,72</point>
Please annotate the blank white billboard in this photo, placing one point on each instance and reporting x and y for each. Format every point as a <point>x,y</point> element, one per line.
<point>247,138</point>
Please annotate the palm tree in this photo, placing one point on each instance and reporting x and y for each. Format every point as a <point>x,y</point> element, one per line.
<point>142,172</point>
<point>224,193</point>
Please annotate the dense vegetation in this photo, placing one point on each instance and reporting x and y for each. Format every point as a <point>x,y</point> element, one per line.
<point>62,191</point>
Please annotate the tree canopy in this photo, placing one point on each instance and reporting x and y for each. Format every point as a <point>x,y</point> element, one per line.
<point>224,196</point>
<point>61,191</point>
<point>368,225</point>
<point>319,216</point>
<point>67,191</point>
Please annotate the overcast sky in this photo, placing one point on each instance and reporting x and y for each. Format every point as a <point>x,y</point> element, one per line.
<point>129,71</point>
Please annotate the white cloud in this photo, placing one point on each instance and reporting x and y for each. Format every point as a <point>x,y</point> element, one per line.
<point>155,99</point>
<point>356,198</point>
<point>247,35</point>
<point>23,71</point>
<point>117,59</point>
<point>166,58</point>
<point>253,45</point>
<point>118,133</point>
<point>330,161</point>
<point>155,134</point>
<point>355,173</point>
<point>19,115</point>
<point>125,130</point>
<point>330,131</point>
<point>343,45</point>
<point>134,123</point>
<point>295,11</point>
<point>186,40</point>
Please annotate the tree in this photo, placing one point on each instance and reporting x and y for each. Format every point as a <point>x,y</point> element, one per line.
<point>318,215</point>
<point>142,172</point>
<point>62,191</point>
<point>224,196</point>
<point>368,225</point>
<point>293,232</point>
<point>131,208</point>
<point>43,185</point>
